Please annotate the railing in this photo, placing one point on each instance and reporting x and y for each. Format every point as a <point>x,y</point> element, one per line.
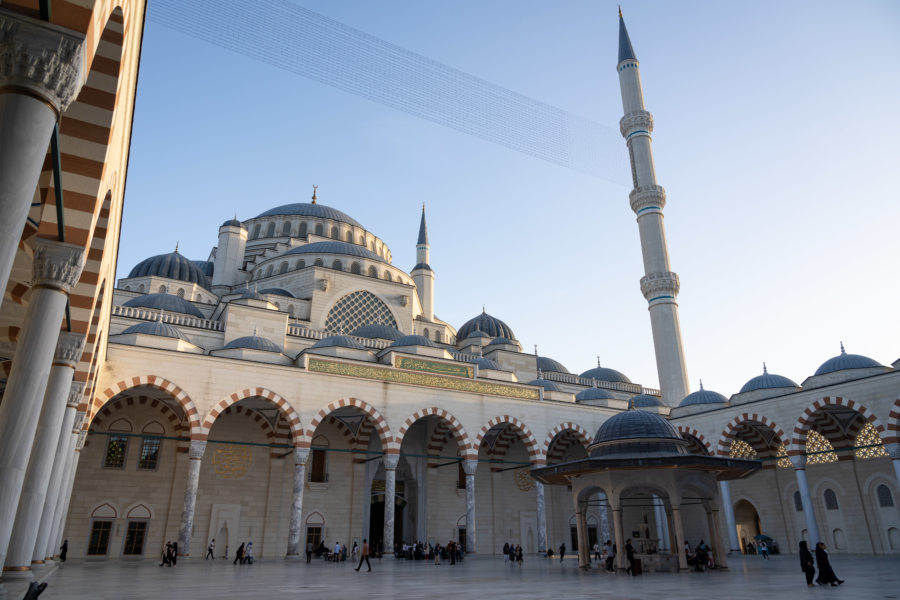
<point>631,388</point>
<point>318,334</point>
<point>149,314</point>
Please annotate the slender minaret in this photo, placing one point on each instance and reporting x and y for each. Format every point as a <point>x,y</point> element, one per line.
<point>422,274</point>
<point>659,283</point>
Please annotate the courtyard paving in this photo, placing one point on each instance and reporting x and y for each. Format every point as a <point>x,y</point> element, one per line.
<point>478,577</point>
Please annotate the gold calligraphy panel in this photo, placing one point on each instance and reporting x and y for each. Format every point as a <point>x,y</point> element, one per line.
<point>433,366</point>
<point>231,461</point>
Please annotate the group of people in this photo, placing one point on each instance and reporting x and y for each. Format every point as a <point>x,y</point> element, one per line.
<point>513,553</point>
<point>700,558</point>
<point>244,554</point>
<point>808,566</point>
<point>169,555</point>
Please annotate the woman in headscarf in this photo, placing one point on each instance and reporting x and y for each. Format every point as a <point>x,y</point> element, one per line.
<point>826,574</point>
<point>807,564</point>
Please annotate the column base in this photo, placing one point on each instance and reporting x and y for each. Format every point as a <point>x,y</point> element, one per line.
<point>10,573</point>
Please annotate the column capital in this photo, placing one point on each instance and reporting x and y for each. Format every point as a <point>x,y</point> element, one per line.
<point>660,285</point>
<point>82,437</point>
<point>40,59</point>
<point>69,347</point>
<point>301,455</point>
<point>469,466</point>
<point>198,447</point>
<point>390,461</point>
<point>798,461</point>
<point>57,264</point>
<point>79,421</point>
<point>76,391</point>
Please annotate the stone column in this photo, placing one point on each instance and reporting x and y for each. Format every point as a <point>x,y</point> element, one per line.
<point>733,544</point>
<point>580,524</point>
<point>198,447</point>
<point>301,455</point>
<point>469,466</point>
<point>679,538</point>
<point>718,544</point>
<point>34,490</point>
<point>662,524</point>
<point>56,268</point>
<point>541,516</point>
<point>674,548</point>
<point>41,72</point>
<point>619,529</point>
<point>812,527</point>
<point>76,443</point>
<point>65,444</point>
<point>390,462</point>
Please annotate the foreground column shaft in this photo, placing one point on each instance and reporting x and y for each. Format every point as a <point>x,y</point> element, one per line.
<point>390,478</point>
<point>65,495</point>
<point>541,516</point>
<point>301,455</point>
<point>733,544</point>
<point>469,467</point>
<point>198,447</point>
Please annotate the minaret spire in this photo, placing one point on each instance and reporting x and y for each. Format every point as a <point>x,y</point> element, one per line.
<point>423,229</point>
<point>422,274</point>
<point>660,284</point>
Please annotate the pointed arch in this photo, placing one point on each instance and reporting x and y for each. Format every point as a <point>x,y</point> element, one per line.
<point>534,451</point>
<point>459,432</point>
<point>388,443</point>
<point>685,430</point>
<point>579,431</point>
<point>730,431</point>
<point>801,428</point>
<point>299,439</point>
<point>892,435</point>
<point>187,405</point>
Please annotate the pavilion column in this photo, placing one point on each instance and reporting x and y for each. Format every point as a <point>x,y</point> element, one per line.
<point>76,443</point>
<point>40,466</point>
<point>679,538</point>
<point>301,455</point>
<point>812,527</point>
<point>55,269</point>
<point>619,528</point>
<point>725,491</point>
<point>662,524</point>
<point>673,542</point>
<point>65,444</point>
<point>41,72</point>
<point>390,462</point>
<point>541,516</point>
<point>581,533</point>
<point>718,544</point>
<point>198,447</point>
<point>469,466</point>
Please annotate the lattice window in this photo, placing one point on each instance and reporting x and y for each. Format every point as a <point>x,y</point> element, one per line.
<point>783,462</point>
<point>99,541</point>
<point>818,449</point>
<point>356,310</point>
<point>868,443</point>
<point>741,449</point>
<point>149,454</point>
<point>134,538</point>
<point>115,451</point>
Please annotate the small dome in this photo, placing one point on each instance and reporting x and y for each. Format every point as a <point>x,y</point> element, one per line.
<point>646,401</point>
<point>337,341</point>
<point>342,248</point>
<point>413,340</point>
<point>637,431</point>
<point>207,267</point>
<point>171,266</point>
<point>277,292</point>
<point>549,365</point>
<point>166,302</point>
<point>250,295</point>
<point>604,374</point>
<point>702,396</point>
<point>157,328</point>
<point>497,341</point>
<point>492,326</point>
<point>486,363</point>
<point>844,361</point>
<point>475,333</point>
<point>377,331</point>
<point>593,393</point>
<point>232,223</point>
<point>306,209</point>
<point>253,342</point>
<point>767,381</point>
<point>546,384</point>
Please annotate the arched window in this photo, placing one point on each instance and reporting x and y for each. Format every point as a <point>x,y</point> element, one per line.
<point>372,245</point>
<point>319,263</point>
<point>741,449</point>
<point>798,502</point>
<point>885,497</point>
<point>334,232</point>
<point>425,333</point>
<point>271,230</point>
<point>387,275</point>
<point>349,236</point>
<point>301,264</point>
<point>868,443</point>
<point>180,293</point>
<point>255,233</point>
<point>320,230</point>
<point>318,455</point>
<point>127,288</point>
<point>337,265</point>
<point>269,270</point>
<point>437,336</point>
<point>831,502</point>
<point>818,449</point>
<point>283,268</point>
<point>286,229</point>
<point>291,310</point>
<point>162,289</point>
<point>373,272</point>
<point>303,230</point>
<point>357,309</point>
<point>141,288</point>
<point>354,268</point>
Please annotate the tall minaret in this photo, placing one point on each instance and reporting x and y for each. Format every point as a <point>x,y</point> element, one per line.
<point>422,274</point>
<point>659,283</point>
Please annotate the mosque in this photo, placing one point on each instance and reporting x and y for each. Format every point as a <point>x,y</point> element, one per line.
<point>296,386</point>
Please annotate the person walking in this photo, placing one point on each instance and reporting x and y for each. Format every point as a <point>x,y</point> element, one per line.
<point>610,556</point>
<point>519,556</point>
<point>63,550</point>
<point>629,556</point>
<point>239,555</point>
<point>763,549</point>
<point>174,559</point>
<point>562,551</point>
<point>364,556</point>
<point>807,563</point>
<point>248,554</point>
<point>210,548</point>
<point>309,551</point>
<point>826,574</point>
<point>167,555</point>
<point>597,551</point>
<point>506,552</point>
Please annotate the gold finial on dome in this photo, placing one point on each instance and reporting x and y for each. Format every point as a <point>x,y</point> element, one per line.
<point>176,247</point>
<point>315,187</point>
<point>620,11</point>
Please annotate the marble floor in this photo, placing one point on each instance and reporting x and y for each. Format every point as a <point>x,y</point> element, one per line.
<point>481,577</point>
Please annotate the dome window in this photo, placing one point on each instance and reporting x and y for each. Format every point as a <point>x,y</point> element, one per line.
<point>303,230</point>
<point>319,263</point>
<point>373,272</point>
<point>283,268</point>
<point>387,275</point>
<point>356,310</point>
<point>334,232</point>
<point>354,268</point>
<point>301,264</point>
<point>255,233</point>
<point>337,265</point>
<point>349,236</point>
<point>269,270</point>
<point>286,229</point>
<point>270,232</point>
<point>320,230</point>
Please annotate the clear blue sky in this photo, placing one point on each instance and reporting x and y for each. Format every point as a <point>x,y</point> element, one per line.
<point>775,140</point>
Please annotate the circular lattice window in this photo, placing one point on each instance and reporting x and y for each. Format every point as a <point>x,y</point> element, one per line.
<point>356,310</point>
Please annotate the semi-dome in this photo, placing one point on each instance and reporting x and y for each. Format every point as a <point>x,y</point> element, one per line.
<point>548,364</point>
<point>646,401</point>
<point>604,374</point>
<point>767,381</point>
<point>337,341</point>
<point>492,326</point>
<point>247,294</point>
<point>498,341</point>
<point>546,384</point>
<point>343,248</point>
<point>306,209</point>
<point>486,363</point>
<point>703,396</point>
<point>844,361</point>
<point>637,432</point>
<point>377,331</point>
<point>253,342</point>
<point>275,291</point>
<point>166,302</point>
<point>157,328</point>
<point>171,266</point>
<point>413,340</point>
<point>593,393</point>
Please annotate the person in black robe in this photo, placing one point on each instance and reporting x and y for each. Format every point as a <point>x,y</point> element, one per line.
<point>629,556</point>
<point>63,550</point>
<point>807,564</point>
<point>826,574</point>
<point>239,555</point>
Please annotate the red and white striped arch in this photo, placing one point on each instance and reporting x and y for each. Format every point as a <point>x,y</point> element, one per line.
<point>577,430</point>
<point>154,381</point>
<point>730,431</point>
<point>685,430</point>
<point>298,437</point>
<point>458,431</point>
<point>531,444</point>
<point>388,444</point>
<point>808,417</point>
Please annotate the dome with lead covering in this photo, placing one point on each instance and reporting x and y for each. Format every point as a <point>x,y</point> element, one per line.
<point>338,341</point>
<point>605,374</point>
<point>166,302</point>
<point>645,401</point>
<point>486,363</point>
<point>306,209</point>
<point>492,326</point>
<point>413,340</point>
<point>341,248</point>
<point>637,432</point>
<point>767,381</point>
<point>844,361</point>
<point>277,292</point>
<point>703,396</point>
<point>253,342</point>
<point>157,328</point>
<point>546,384</point>
<point>232,223</point>
<point>549,365</point>
<point>377,331</point>
<point>498,341</point>
<point>593,394</point>
<point>171,266</point>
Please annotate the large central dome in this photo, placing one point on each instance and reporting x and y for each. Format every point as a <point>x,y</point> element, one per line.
<point>307,209</point>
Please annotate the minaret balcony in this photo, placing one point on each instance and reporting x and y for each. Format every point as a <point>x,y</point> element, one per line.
<point>639,121</point>
<point>645,198</point>
<point>660,285</point>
